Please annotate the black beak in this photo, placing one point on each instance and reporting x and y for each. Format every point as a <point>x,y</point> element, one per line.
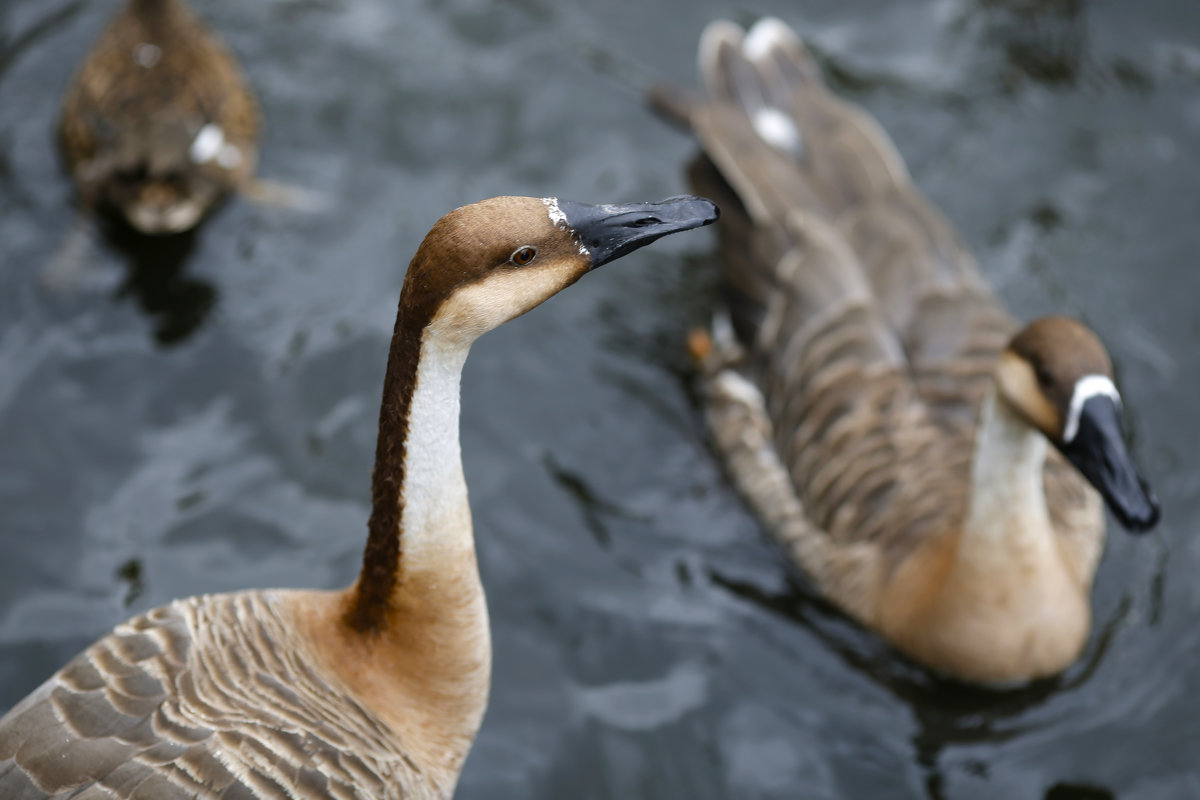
<point>609,232</point>
<point>1098,451</point>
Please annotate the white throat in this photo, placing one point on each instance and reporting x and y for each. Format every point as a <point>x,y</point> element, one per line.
<point>1007,499</point>
<point>436,518</point>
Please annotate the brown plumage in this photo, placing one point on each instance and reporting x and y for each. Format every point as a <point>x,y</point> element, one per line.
<point>158,123</point>
<point>855,386</point>
<point>373,692</point>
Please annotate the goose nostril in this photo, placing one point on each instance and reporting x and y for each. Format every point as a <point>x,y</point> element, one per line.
<point>645,222</point>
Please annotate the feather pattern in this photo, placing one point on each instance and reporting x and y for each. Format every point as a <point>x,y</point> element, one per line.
<point>213,696</point>
<point>847,403</point>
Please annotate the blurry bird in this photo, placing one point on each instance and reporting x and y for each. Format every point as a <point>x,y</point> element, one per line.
<point>158,123</point>
<point>882,413</point>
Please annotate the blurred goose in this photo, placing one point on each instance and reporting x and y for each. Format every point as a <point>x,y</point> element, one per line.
<point>881,412</point>
<point>375,691</point>
<point>158,123</point>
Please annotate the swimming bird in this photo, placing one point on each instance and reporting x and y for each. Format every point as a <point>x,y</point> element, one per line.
<point>375,691</point>
<point>158,123</point>
<point>883,414</point>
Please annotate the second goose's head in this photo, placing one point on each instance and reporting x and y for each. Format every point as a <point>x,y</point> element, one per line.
<point>163,177</point>
<point>1057,374</point>
<point>484,264</point>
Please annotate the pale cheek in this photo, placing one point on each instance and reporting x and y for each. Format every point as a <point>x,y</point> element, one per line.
<point>474,310</point>
<point>1019,387</point>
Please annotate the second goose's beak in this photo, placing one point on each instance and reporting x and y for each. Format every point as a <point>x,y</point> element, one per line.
<point>1098,451</point>
<point>611,231</point>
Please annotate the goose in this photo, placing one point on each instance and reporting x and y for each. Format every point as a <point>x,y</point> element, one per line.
<point>375,691</point>
<point>880,411</point>
<point>158,123</point>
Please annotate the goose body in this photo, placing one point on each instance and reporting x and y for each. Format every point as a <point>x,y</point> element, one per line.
<point>372,692</point>
<point>882,413</point>
<point>158,123</point>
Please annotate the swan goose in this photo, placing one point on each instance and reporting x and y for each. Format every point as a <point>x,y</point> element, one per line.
<point>881,412</point>
<point>375,691</point>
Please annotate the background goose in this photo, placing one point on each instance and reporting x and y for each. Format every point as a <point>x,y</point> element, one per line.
<point>375,691</point>
<point>158,123</point>
<point>881,412</point>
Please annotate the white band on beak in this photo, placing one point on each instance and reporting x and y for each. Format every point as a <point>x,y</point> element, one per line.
<point>1086,388</point>
<point>560,220</point>
<point>556,215</point>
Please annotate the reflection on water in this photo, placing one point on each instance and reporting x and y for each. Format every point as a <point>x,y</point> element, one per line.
<point>130,573</point>
<point>1047,42</point>
<point>594,508</point>
<point>1073,791</point>
<point>176,301</point>
<point>946,712</point>
<point>650,643</point>
<point>15,42</point>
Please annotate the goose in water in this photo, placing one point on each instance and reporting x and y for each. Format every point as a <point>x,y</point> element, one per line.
<point>158,123</point>
<point>881,412</point>
<point>375,691</point>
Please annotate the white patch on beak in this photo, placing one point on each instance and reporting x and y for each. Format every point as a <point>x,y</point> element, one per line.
<point>207,144</point>
<point>560,220</point>
<point>1086,388</point>
<point>556,215</point>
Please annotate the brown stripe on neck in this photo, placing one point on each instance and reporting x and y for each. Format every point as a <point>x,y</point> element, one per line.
<point>371,599</point>
<point>432,276</point>
<point>441,265</point>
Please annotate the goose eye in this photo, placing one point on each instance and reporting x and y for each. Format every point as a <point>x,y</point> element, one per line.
<point>1043,377</point>
<point>523,256</point>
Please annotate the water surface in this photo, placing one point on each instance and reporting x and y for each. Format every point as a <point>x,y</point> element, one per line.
<point>202,418</point>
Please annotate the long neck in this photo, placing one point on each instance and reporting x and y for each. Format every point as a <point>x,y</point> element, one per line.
<point>414,626</point>
<point>1008,502</point>
<point>420,526</point>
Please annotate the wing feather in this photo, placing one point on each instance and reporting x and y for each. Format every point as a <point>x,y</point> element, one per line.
<point>206,697</point>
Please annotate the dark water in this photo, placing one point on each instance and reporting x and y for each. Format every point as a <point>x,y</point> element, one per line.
<point>209,425</point>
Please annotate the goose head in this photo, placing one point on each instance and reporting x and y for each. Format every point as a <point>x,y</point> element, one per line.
<point>486,263</point>
<point>164,178</point>
<point>163,204</point>
<point>1058,376</point>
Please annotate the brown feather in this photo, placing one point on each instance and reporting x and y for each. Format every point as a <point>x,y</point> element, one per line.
<point>200,696</point>
<point>867,341</point>
<point>154,79</point>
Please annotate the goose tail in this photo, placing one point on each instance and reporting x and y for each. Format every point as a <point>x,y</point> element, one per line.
<point>836,150</point>
<point>780,154</point>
